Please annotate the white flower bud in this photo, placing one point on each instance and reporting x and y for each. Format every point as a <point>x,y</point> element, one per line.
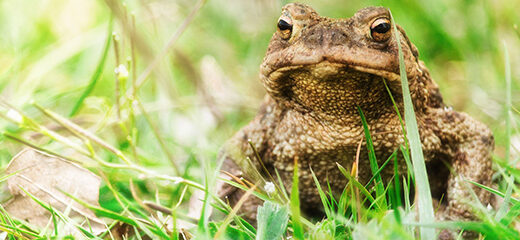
<point>15,116</point>
<point>269,188</point>
<point>121,72</point>
<point>489,207</point>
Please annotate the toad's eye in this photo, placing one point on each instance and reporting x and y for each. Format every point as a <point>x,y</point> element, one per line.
<point>283,25</point>
<point>285,28</point>
<point>380,29</point>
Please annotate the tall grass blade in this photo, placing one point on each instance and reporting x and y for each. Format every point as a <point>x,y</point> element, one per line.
<point>323,197</point>
<point>511,215</point>
<point>397,182</point>
<point>378,172</point>
<point>409,166</point>
<point>421,178</point>
<point>396,108</point>
<point>496,192</point>
<point>355,183</point>
<point>488,230</point>
<point>508,104</point>
<point>224,226</point>
<point>202,225</point>
<point>507,199</point>
<point>395,192</point>
<point>6,219</point>
<point>295,204</point>
<point>373,162</point>
<point>97,73</point>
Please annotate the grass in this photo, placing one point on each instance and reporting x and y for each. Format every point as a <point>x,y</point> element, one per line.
<point>424,202</point>
<point>155,145</point>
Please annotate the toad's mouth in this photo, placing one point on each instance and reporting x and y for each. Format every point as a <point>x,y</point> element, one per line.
<point>334,88</point>
<point>326,69</point>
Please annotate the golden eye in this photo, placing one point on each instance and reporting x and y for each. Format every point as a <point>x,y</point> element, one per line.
<point>285,27</point>
<point>380,29</point>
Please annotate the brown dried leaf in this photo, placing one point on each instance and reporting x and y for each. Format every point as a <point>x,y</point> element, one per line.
<point>46,177</point>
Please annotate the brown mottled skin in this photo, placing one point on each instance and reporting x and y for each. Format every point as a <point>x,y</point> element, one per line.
<point>315,75</point>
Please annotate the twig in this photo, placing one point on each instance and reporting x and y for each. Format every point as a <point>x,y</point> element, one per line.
<point>80,132</point>
<point>144,75</point>
<point>159,138</point>
<point>117,75</point>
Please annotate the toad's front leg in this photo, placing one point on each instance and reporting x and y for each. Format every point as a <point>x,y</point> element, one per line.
<point>469,144</point>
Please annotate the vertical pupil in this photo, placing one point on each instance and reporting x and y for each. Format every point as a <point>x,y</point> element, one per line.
<point>382,28</point>
<point>283,25</point>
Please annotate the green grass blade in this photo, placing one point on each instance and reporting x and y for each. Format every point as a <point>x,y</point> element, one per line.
<point>202,225</point>
<point>241,223</point>
<point>149,229</point>
<point>295,204</point>
<point>344,199</point>
<point>397,184</point>
<point>496,192</point>
<point>373,161</point>
<point>378,172</point>
<point>395,193</point>
<point>421,178</point>
<point>284,194</point>
<point>323,196</point>
<point>357,184</point>
<point>408,162</point>
<point>397,112</point>
<point>258,194</point>
<point>490,231</point>
<point>508,104</point>
<point>6,219</point>
<point>406,191</point>
<point>17,231</point>
<point>55,222</point>
<point>511,215</point>
<point>97,73</point>
<point>507,200</point>
<point>57,216</point>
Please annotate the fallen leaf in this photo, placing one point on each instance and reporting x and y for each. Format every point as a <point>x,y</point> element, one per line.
<point>48,178</point>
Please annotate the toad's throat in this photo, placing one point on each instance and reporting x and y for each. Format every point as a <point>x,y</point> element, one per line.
<point>337,92</point>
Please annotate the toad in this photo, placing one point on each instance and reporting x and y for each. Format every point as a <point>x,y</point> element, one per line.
<point>317,71</point>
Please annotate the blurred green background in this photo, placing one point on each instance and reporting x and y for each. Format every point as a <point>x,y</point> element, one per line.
<point>206,87</point>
